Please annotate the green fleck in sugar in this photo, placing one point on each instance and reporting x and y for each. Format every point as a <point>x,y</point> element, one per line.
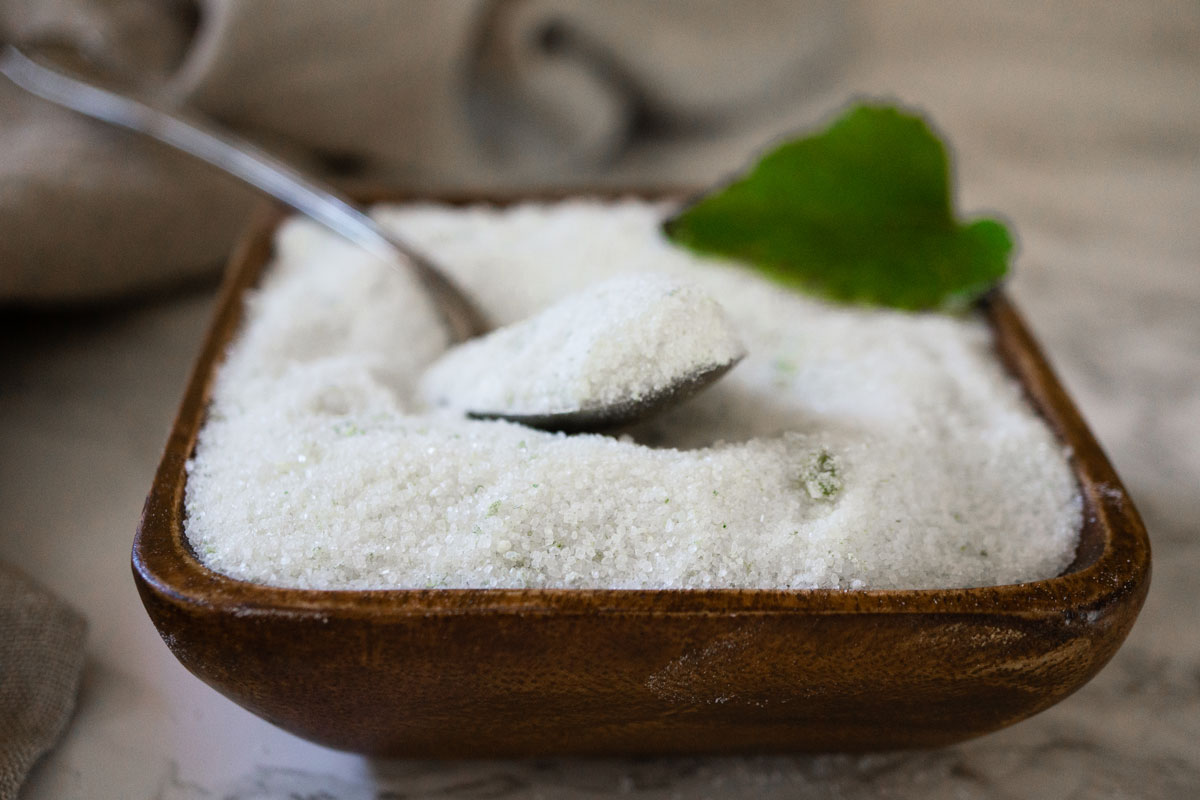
<point>820,476</point>
<point>346,428</point>
<point>784,372</point>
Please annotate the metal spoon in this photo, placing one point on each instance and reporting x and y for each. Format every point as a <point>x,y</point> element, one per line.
<point>54,74</point>
<point>641,340</point>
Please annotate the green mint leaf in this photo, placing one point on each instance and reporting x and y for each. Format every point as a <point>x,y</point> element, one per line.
<point>859,213</point>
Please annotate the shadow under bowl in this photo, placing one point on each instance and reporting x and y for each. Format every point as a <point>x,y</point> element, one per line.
<point>522,672</point>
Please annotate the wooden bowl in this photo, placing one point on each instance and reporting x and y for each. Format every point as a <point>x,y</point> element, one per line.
<point>473,672</point>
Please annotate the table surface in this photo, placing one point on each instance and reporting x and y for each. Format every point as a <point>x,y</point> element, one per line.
<point>1097,163</point>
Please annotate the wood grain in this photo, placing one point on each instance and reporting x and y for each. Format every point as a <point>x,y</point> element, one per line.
<point>473,672</point>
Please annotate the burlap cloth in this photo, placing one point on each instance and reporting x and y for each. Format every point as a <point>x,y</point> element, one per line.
<point>41,659</point>
<point>421,93</point>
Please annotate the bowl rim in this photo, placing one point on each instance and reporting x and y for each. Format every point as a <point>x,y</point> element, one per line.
<point>1112,563</point>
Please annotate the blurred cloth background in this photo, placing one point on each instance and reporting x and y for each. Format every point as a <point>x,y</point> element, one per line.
<point>1079,122</point>
<point>422,94</point>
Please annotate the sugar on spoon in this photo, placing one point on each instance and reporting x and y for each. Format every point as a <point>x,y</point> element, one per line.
<point>617,349</point>
<point>57,73</point>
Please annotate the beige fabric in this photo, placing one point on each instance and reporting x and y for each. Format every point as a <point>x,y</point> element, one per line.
<point>418,94</point>
<point>86,211</point>
<point>41,658</point>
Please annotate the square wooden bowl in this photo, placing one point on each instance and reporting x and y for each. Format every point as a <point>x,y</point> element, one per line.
<point>472,672</point>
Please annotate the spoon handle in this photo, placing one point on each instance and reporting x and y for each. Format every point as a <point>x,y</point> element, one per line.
<point>240,158</point>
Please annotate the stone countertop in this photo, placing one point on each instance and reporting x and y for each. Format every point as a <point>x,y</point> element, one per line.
<point>1086,132</point>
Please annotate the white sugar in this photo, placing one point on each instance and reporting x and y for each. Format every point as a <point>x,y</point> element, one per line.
<point>616,341</point>
<point>851,448</point>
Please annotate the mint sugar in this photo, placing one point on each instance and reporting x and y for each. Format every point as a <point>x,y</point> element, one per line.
<point>852,448</point>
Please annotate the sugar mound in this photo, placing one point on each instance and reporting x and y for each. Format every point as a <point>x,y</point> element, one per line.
<point>619,340</point>
<point>850,449</point>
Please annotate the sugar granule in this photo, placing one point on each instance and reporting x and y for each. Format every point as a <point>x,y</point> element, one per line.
<point>850,449</point>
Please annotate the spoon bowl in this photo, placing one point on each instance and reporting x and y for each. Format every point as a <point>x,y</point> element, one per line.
<point>615,415</point>
<point>601,357</point>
